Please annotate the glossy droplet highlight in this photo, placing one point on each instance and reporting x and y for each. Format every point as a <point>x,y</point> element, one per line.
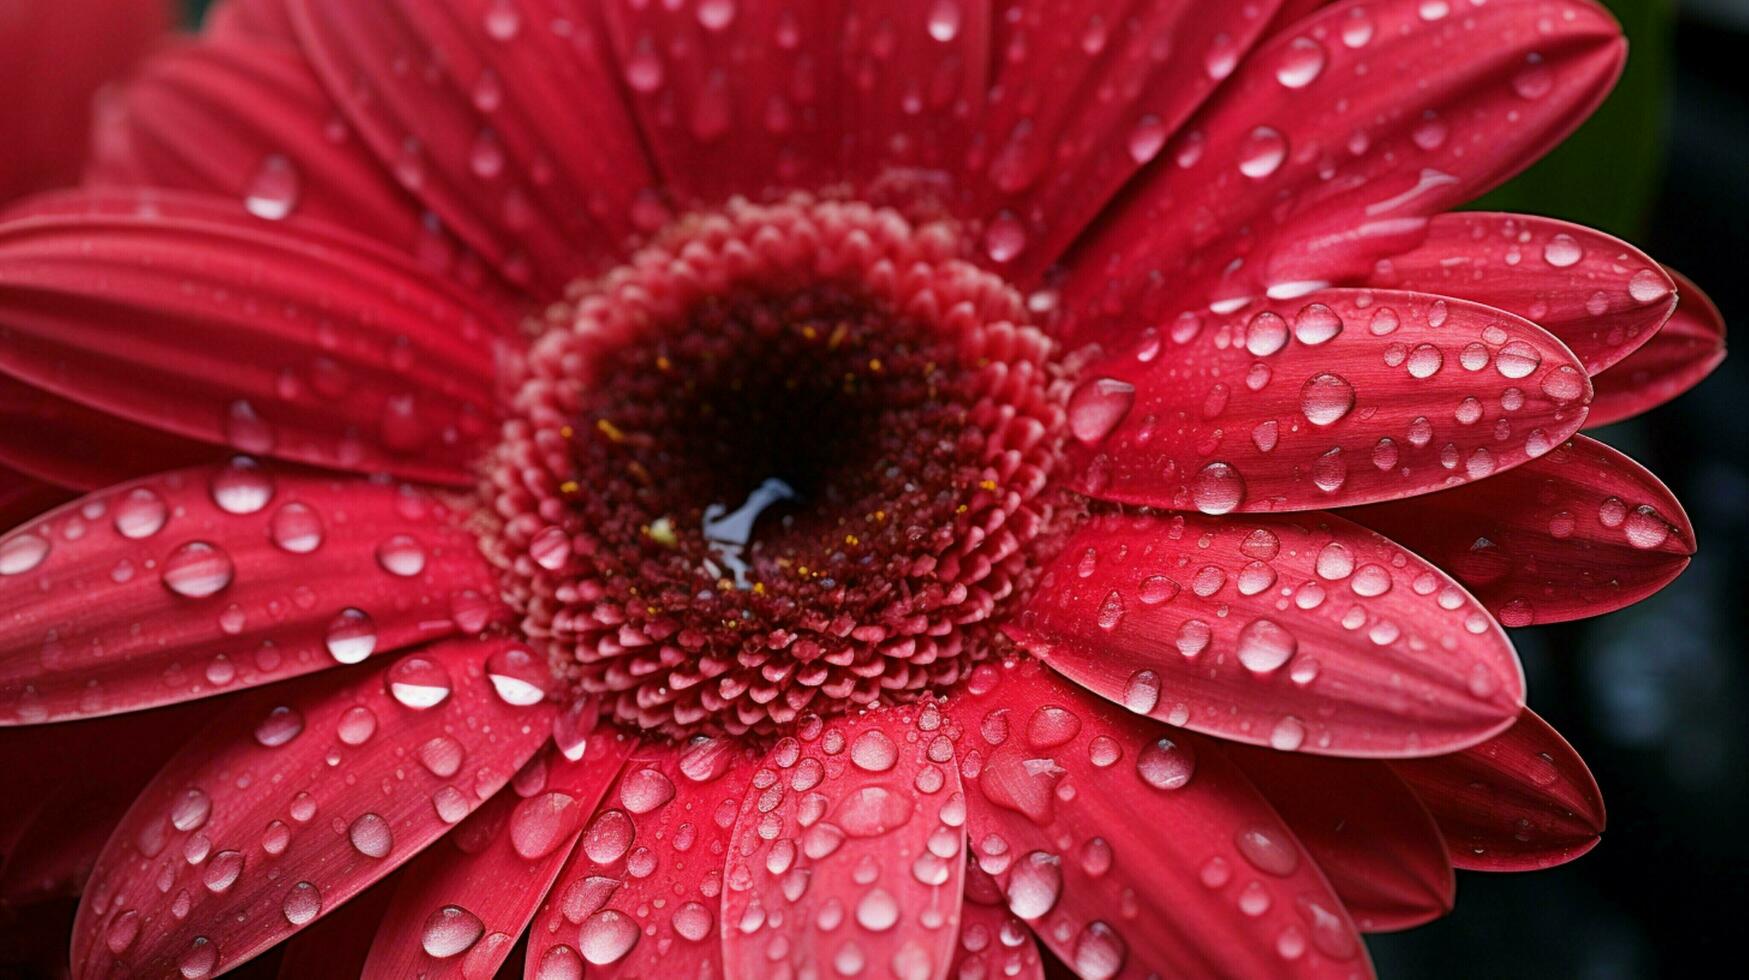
<point>196,570</point>
<point>419,682</point>
<point>1325,398</point>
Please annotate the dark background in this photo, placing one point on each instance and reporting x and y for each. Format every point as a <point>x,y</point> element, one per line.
<point>1655,697</point>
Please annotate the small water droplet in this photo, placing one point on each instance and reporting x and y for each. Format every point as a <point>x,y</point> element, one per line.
<point>196,570</point>
<point>273,190</point>
<point>371,836</point>
<point>450,931</point>
<point>419,682</point>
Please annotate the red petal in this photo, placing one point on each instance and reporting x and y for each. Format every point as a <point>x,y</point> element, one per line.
<point>1133,846</point>
<point>71,445</point>
<point>206,580</point>
<point>1580,532</point>
<point>850,851</point>
<point>247,120</point>
<point>504,119</point>
<point>1599,295</point>
<point>1086,94</point>
<point>1302,633</point>
<point>656,841</point>
<point>1404,109</point>
<point>23,497</point>
<point>53,59</point>
<point>1678,357</point>
<point>72,786</point>
<point>1367,830</point>
<point>321,349</point>
<point>993,943</point>
<point>1266,410</point>
<point>336,944</point>
<point>757,97</point>
<point>261,20</point>
<point>283,832</point>
<point>1521,801</point>
<point>460,906</point>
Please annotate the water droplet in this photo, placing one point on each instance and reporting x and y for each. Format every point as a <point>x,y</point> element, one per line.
<point>607,936</point>
<point>1099,952</point>
<point>273,191</point>
<point>1265,646</point>
<point>1034,885</point>
<point>281,725</point>
<point>1146,138</point>
<point>22,553</point>
<point>1326,398</point>
<point>1217,489</point>
<point>450,931</point>
<point>1562,251</point>
<point>1269,851</point>
<point>1142,692</point>
<point>1288,734</point>
<point>1425,361</point>
<point>371,836</point>
<point>1157,589</point>
<point>644,790</point>
<point>609,837</point>
<point>198,961</point>
<point>1316,324</point>
<point>1265,334</point>
<point>419,682</point>
<point>873,751</point>
<point>1262,152</point>
<point>1645,529</point>
<point>140,513</point>
<point>1098,406</point>
<point>241,488</point>
<point>297,528</point>
<point>944,20</point>
<point>196,570</point>
<point>1164,764</point>
<point>1004,238</point>
<point>402,555</point>
<point>351,636</point>
<point>222,871</point>
<point>1648,286</point>
<point>1111,611</point>
<point>1301,63</point>
<point>517,676</point>
<point>877,911</point>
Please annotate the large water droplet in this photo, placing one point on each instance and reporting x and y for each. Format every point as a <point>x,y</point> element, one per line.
<point>402,555</point>
<point>1326,398</point>
<point>196,570</point>
<point>22,552</point>
<point>1265,646</point>
<point>351,636</point>
<point>140,513</point>
<point>517,676</point>
<point>273,190</point>
<point>1035,884</point>
<point>371,836</point>
<point>1098,406</point>
<point>241,488</point>
<point>296,527</point>
<point>419,682</point>
<point>1217,489</point>
<point>873,751</point>
<point>450,931</point>
<point>1262,152</point>
<point>1165,764</point>
<point>281,725</point>
<point>607,936</point>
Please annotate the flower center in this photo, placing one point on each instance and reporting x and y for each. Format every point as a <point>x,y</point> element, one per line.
<point>789,459</point>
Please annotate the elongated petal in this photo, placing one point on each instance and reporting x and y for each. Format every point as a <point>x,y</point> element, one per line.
<point>1579,532</point>
<point>71,784</point>
<point>55,58</point>
<point>1085,95</point>
<point>301,835</point>
<point>23,497</point>
<point>1599,295</point>
<point>993,942</point>
<point>260,20</point>
<point>321,349</point>
<point>1678,357</point>
<point>1335,142</point>
<point>460,906</point>
<point>1083,812</point>
<point>72,445</point>
<point>511,128</point>
<point>1521,801</point>
<point>1345,397</point>
<point>246,119</point>
<point>640,895</point>
<point>1367,830</point>
<point>849,851</point>
<point>201,581</point>
<point>1305,633</point>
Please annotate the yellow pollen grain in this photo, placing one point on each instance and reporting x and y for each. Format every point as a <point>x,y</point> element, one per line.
<point>758,588</point>
<point>611,431</point>
<point>838,334</point>
<point>810,333</point>
<point>566,431</point>
<point>987,484</point>
<point>661,531</point>
<point>570,487</point>
<point>961,509</point>
<point>852,540</point>
<point>664,364</point>
<point>639,473</point>
<point>874,364</point>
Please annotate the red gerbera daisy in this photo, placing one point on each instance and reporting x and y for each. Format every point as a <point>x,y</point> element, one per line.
<point>814,489</point>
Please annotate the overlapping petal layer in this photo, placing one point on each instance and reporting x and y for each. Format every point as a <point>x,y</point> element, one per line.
<point>506,120</point>
<point>1520,801</point>
<point>458,908</point>
<point>1578,532</point>
<point>1304,633</point>
<point>1335,142</point>
<point>316,348</point>
<point>1135,849</point>
<point>849,850</point>
<point>1600,296</point>
<point>1342,397</point>
<point>1369,833</point>
<point>292,802</point>
<point>1679,356</point>
<point>73,445</point>
<point>205,580</point>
